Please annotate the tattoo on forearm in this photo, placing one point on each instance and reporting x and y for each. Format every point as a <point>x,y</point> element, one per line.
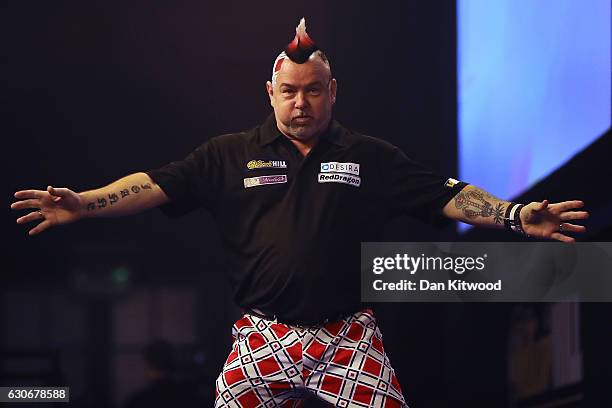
<point>113,198</point>
<point>498,215</point>
<point>474,203</point>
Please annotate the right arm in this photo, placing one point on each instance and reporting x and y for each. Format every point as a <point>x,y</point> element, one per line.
<point>56,206</point>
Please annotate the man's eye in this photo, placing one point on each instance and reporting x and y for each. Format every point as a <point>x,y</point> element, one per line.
<point>314,91</point>
<point>288,91</point>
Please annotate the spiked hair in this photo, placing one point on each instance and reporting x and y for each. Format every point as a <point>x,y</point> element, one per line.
<point>299,50</point>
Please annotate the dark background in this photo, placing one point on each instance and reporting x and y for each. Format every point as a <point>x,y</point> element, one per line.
<point>95,91</point>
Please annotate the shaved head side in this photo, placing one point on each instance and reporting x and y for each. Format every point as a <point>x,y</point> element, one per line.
<point>282,57</point>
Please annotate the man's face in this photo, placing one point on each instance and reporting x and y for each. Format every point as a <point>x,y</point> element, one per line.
<point>302,97</point>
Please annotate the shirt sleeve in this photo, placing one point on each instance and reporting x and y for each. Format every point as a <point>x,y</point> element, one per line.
<point>417,191</point>
<point>190,183</point>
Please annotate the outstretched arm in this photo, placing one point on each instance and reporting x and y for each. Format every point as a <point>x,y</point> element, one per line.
<point>56,206</point>
<point>537,219</point>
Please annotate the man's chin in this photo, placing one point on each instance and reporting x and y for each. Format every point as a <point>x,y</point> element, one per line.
<point>302,132</point>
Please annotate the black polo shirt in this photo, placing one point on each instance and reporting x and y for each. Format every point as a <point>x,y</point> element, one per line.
<point>293,225</point>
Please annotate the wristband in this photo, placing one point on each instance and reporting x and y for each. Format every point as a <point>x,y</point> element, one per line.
<point>512,219</point>
<point>515,222</point>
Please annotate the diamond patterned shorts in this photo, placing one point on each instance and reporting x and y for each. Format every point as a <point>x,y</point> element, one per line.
<point>276,365</point>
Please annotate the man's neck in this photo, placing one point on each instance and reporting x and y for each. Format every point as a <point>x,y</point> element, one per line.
<point>305,146</point>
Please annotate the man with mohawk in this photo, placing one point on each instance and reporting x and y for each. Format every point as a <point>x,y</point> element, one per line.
<point>294,198</point>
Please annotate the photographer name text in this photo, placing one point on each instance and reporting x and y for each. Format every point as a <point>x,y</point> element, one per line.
<point>426,285</point>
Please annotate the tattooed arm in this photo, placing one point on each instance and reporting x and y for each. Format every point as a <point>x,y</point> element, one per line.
<point>538,219</point>
<point>129,195</point>
<point>56,206</point>
<point>477,207</point>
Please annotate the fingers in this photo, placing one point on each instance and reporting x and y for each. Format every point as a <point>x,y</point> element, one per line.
<point>20,205</point>
<point>572,227</point>
<point>33,216</point>
<point>567,205</point>
<point>40,227</point>
<point>32,194</point>
<point>25,194</point>
<point>574,215</point>
<point>32,199</point>
<point>563,238</point>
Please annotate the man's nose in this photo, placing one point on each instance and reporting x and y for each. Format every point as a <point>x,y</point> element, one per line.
<point>300,100</point>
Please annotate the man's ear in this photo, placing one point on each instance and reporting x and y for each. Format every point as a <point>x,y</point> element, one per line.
<point>333,87</point>
<point>270,91</point>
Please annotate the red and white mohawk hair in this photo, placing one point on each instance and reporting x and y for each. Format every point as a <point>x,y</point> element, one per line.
<point>302,45</point>
<point>298,50</point>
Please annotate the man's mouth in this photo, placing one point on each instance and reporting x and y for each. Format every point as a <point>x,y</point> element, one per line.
<point>301,119</point>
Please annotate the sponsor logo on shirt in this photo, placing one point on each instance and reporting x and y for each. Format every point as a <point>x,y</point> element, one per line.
<point>450,183</point>
<point>340,178</point>
<point>262,180</point>
<point>336,167</point>
<point>266,164</point>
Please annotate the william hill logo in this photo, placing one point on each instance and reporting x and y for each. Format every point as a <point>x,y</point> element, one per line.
<point>269,164</point>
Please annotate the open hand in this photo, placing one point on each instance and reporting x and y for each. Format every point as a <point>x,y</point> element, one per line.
<point>55,206</point>
<point>545,220</point>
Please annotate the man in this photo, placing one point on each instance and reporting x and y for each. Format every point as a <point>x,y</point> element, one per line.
<point>294,198</point>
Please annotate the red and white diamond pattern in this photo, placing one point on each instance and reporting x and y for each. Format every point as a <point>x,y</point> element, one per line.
<point>276,365</point>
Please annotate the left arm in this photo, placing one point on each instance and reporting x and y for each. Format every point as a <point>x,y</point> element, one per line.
<point>537,219</point>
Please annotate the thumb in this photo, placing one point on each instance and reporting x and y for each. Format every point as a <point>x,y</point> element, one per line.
<point>541,206</point>
<point>58,193</point>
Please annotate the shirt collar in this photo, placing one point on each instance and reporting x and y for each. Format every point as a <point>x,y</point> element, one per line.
<point>269,132</point>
